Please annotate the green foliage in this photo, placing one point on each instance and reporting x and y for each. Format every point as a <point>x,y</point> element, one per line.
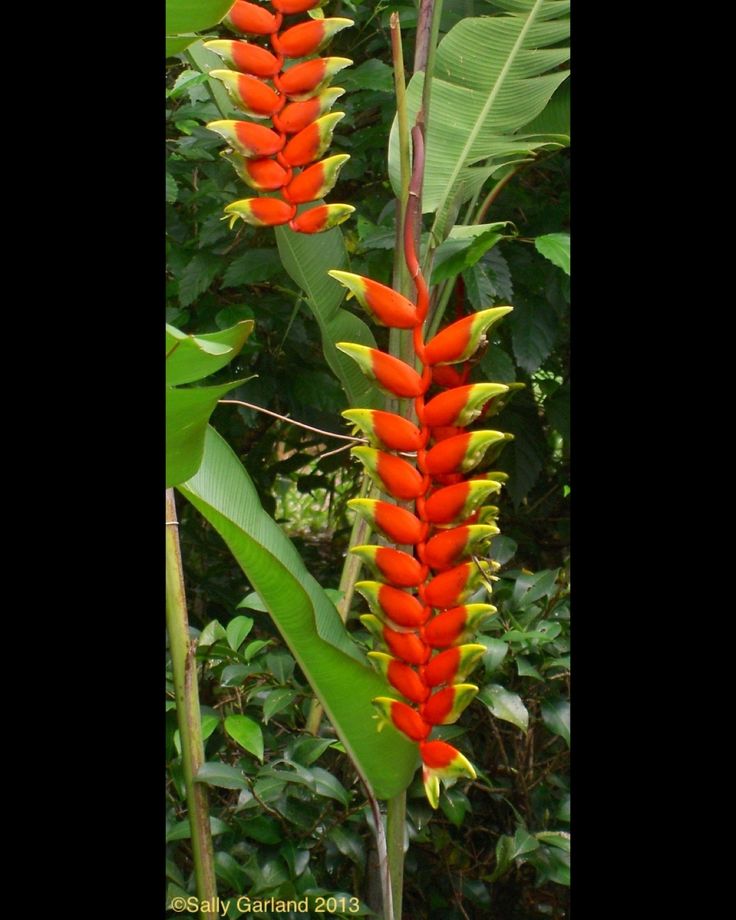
<point>291,819</point>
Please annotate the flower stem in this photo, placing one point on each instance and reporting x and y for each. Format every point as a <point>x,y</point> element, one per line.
<point>184,667</point>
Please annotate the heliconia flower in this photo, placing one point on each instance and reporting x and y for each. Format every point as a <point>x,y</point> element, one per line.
<point>392,474</point>
<point>391,375</point>
<point>303,80</point>
<point>452,504</point>
<point>444,375</point>
<point>443,432</point>
<point>323,217</point>
<point>453,626</point>
<point>499,403</point>
<point>448,547</point>
<point>261,212</point>
<point>458,341</point>
<point>461,453</point>
<point>401,676</point>
<point>316,181</point>
<point>249,94</point>
<point>250,18</point>
<point>398,568</point>
<point>487,514</point>
<point>446,706</point>
<point>402,608</point>
<point>407,646</point>
<point>394,523</point>
<point>385,306</point>
<point>452,587</point>
<point>287,7</point>
<point>249,139</point>
<point>386,429</point>
<point>295,116</point>
<point>308,37</point>
<point>245,57</point>
<point>401,716</point>
<point>452,665</point>
<point>310,143</point>
<point>461,405</point>
<point>445,760</point>
<point>265,174</point>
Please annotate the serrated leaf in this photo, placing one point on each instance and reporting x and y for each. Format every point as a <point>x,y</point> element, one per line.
<point>556,248</point>
<point>251,267</point>
<point>556,716</point>
<point>478,287</point>
<point>237,630</point>
<point>172,189</point>
<point>247,733</point>
<point>199,274</point>
<point>506,705</point>
<point>523,459</point>
<point>535,330</point>
<point>372,74</point>
<point>465,246</point>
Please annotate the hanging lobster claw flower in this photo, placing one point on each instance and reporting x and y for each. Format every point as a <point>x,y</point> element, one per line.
<point>444,375</point>
<point>287,7</point>
<point>310,143</point>
<point>402,608</point>
<point>248,139</point>
<point>317,181</point>
<point>458,341</point>
<point>446,706</point>
<point>391,474</point>
<point>394,523</point>
<point>453,504</point>
<point>488,514</point>
<point>261,212</point>
<point>452,665</point>
<point>499,403</point>
<point>297,115</point>
<point>245,57</point>
<point>447,548</point>
<point>323,217</point>
<point>250,18</point>
<point>461,453</point>
<point>398,568</point>
<point>401,716</point>
<point>407,646</point>
<point>441,760</point>
<point>401,676</point>
<point>386,429</point>
<point>307,79</point>
<point>456,584</point>
<point>384,305</point>
<point>454,626</point>
<point>265,174</point>
<point>308,37</point>
<point>462,405</point>
<point>249,94</point>
<point>391,375</point>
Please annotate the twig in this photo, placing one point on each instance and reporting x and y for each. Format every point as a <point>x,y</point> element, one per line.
<point>291,421</point>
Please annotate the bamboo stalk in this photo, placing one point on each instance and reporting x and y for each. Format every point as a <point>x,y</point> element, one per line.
<point>184,667</point>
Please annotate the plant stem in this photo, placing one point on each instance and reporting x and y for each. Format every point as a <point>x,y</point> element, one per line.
<point>395,821</point>
<point>184,667</point>
<point>390,910</point>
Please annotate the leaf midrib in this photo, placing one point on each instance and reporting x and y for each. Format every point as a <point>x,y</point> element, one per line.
<point>483,114</point>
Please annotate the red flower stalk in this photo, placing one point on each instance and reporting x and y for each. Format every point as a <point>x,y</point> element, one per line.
<point>297,105</point>
<point>418,611</point>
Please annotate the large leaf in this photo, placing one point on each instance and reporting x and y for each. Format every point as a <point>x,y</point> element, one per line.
<point>307,258</point>
<point>493,75</point>
<point>304,614</point>
<point>190,358</point>
<point>188,16</point>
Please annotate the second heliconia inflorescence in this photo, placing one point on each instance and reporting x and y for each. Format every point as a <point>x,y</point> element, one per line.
<point>419,616</point>
<point>297,99</point>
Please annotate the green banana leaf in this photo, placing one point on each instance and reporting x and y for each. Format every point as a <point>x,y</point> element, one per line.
<point>493,75</point>
<point>307,258</point>
<point>187,16</point>
<point>188,409</point>
<point>333,664</point>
